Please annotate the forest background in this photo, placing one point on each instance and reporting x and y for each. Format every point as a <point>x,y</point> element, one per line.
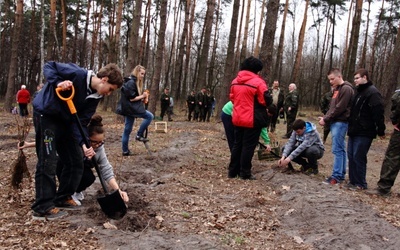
<point>189,44</point>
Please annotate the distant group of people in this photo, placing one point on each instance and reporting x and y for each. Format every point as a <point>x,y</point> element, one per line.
<point>200,106</point>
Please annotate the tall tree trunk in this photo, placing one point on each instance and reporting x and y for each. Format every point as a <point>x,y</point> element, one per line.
<point>243,52</point>
<point>189,44</point>
<point>211,78</point>
<point>52,30</point>
<point>82,51</point>
<point>96,29</point>
<point>42,21</point>
<point>178,70</point>
<point>229,62</point>
<point>64,31</point>
<point>142,50</point>
<point>267,45</point>
<point>375,42</point>
<point>257,48</point>
<point>76,29</point>
<point>239,36</point>
<point>159,54</point>
<point>132,59</point>
<point>203,62</point>
<point>353,45</point>
<point>362,63</point>
<point>297,61</point>
<point>172,53</point>
<point>278,63</point>
<point>346,44</point>
<point>12,73</point>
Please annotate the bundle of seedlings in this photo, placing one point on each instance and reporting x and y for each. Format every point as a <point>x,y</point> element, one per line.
<point>19,168</point>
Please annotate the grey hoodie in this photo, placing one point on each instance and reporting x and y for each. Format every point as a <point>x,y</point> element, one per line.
<point>298,143</point>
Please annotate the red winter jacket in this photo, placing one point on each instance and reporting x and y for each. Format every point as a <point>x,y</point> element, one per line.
<point>250,97</point>
<point>23,96</point>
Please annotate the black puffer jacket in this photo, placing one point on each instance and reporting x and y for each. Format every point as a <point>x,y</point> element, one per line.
<point>366,115</point>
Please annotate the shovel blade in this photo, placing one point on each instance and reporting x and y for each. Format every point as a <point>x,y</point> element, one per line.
<point>113,205</point>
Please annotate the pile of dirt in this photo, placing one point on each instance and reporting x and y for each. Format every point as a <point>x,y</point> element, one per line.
<point>181,198</point>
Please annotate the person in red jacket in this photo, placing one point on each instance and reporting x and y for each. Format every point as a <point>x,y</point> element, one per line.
<point>250,97</point>
<point>23,98</point>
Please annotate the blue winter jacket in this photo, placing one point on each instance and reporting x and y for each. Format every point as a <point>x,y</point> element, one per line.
<point>85,99</point>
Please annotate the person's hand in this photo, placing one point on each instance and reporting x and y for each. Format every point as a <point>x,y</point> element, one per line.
<point>321,121</point>
<point>281,160</point>
<point>145,94</point>
<point>88,152</point>
<point>268,148</point>
<point>124,195</point>
<point>65,85</point>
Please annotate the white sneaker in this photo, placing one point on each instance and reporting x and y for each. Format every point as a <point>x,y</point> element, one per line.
<point>76,199</point>
<point>79,196</point>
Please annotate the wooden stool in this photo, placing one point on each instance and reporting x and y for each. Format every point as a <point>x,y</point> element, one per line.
<point>161,127</point>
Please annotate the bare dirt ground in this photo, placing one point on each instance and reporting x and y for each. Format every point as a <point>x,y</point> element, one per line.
<point>181,198</point>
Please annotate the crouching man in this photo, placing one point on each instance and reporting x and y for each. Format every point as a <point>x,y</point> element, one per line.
<point>304,147</point>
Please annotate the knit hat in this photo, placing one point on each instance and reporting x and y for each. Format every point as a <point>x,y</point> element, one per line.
<point>23,87</point>
<point>252,64</point>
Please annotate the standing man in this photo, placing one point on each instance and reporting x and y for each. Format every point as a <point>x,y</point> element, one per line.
<point>324,106</point>
<point>23,98</point>
<point>291,105</point>
<point>250,98</point>
<point>201,102</point>
<point>165,102</point>
<point>190,104</point>
<point>277,100</point>
<point>209,107</point>
<point>337,116</point>
<point>365,122</point>
<point>391,163</point>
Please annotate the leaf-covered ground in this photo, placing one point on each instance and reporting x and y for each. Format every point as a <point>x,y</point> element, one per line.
<point>181,198</point>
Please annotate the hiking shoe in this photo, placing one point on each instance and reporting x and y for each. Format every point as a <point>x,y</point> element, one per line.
<point>69,204</point>
<point>52,214</point>
<point>330,181</point>
<point>128,153</point>
<point>311,171</point>
<point>379,192</point>
<point>141,138</point>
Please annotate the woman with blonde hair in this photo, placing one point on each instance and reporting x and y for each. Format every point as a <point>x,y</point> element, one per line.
<point>131,106</point>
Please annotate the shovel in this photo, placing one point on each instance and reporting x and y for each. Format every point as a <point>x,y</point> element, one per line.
<point>112,203</point>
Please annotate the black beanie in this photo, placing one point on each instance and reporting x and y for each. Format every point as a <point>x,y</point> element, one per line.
<point>252,64</point>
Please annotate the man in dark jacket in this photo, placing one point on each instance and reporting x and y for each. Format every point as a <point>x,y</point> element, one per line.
<point>165,102</point>
<point>291,106</point>
<point>190,104</point>
<point>337,116</point>
<point>391,163</point>
<point>250,98</point>
<point>201,103</point>
<point>58,136</point>
<point>365,122</point>
<point>277,99</point>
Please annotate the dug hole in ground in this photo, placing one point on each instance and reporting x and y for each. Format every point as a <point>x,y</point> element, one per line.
<point>181,198</point>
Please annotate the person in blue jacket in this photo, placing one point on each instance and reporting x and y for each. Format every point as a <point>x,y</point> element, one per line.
<point>304,147</point>
<point>58,135</point>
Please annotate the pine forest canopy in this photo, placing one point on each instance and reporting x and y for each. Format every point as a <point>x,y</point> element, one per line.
<point>186,45</point>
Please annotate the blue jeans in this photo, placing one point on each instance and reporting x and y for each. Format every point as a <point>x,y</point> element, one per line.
<point>54,142</point>
<point>338,131</point>
<point>357,149</point>
<point>129,120</point>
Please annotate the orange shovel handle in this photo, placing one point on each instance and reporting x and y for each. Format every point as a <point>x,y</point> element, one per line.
<point>68,99</point>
